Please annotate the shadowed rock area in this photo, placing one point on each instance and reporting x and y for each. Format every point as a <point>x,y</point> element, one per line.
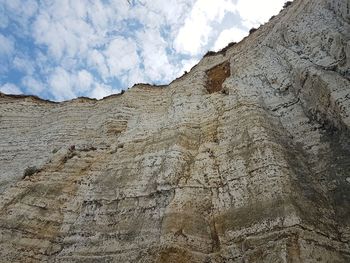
<point>246,158</point>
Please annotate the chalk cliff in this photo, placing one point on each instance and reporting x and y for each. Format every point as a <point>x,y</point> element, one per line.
<point>246,158</point>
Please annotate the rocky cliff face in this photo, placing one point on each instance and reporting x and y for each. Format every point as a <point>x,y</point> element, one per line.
<point>246,158</point>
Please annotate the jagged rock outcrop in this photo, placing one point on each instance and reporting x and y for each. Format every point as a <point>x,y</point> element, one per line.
<point>246,158</point>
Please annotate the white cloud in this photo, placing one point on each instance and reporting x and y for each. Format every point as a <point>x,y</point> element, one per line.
<point>25,8</point>
<point>136,75</point>
<point>121,56</point>
<point>64,28</point>
<point>198,26</point>
<point>22,11</point>
<point>3,17</point>
<point>6,46</point>
<point>154,55</point>
<point>67,37</point>
<point>187,65</point>
<point>10,88</point>
<point>49,34</point>
<point>83,81</point>
<point>97,61</point>
<point>67,85</point>
<point>101,91</point>
<point>256,12</point>
<point>100,15</point>
<point>229,35</point>
<point>61,84</point>
<point>33,85</point>
<point>171,11</point>
<point>24,64</point>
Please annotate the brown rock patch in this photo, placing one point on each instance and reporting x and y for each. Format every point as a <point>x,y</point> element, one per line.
<point>216,77</point>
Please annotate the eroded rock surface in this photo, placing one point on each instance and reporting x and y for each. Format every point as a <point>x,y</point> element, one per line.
<point>254,168</point>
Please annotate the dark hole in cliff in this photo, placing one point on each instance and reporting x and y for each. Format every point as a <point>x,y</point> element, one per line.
<point>216,77</point>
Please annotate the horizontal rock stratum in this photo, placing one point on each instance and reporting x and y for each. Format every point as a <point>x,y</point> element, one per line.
<point>246,158</point>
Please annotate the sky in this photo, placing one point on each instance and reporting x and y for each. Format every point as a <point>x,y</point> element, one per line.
<point>63,49</point>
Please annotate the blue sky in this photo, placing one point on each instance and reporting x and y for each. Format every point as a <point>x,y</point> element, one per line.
<point>63,49</point>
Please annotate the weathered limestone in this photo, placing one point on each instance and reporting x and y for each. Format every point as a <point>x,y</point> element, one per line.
<point>246,158</point>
